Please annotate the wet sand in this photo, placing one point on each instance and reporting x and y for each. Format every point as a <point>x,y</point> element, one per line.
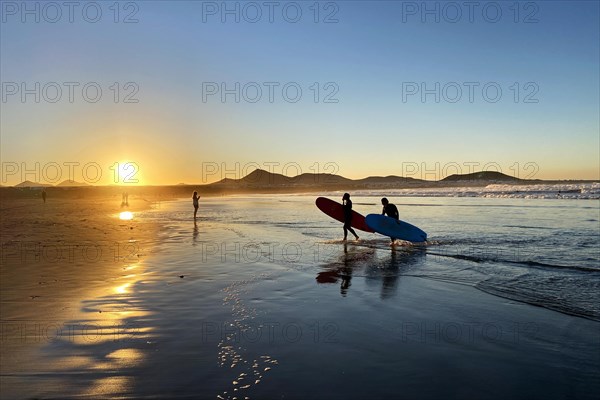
<point>259,300</point>
<point>55,256</point>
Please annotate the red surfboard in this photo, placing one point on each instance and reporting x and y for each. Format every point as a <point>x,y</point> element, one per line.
<point>336,211</point>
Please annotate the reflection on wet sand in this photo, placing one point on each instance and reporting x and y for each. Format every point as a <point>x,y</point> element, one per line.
<point>126,216</point>
<point>343,267</point>
<point>195,234</point>
<point>109,344</point>
<point>363,260</point>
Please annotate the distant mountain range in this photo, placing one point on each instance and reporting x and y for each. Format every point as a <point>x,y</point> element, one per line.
<point>32,184</point>
<point>262,178</point>
<point>70,183</point>
<point>66,183</point>
<point>264,182</point>
<point>481,176</point>
<point>272,182</point>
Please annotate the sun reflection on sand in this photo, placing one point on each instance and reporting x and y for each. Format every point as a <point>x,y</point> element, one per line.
<point>107,343</point>
<point>122,289</point>
<point>125,357</point>
<point>110,385</point>
<point>114,316</point>
<point>126,215</point>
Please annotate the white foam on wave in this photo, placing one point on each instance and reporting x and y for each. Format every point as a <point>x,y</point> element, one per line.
<point>587,191</point>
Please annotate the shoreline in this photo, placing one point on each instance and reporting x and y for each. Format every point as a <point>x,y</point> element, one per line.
<point>158,194</point>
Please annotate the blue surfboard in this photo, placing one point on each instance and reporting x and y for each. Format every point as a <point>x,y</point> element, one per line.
<point>396,229</point>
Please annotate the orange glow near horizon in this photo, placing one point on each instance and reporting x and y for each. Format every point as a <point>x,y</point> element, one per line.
<point>156,172</point>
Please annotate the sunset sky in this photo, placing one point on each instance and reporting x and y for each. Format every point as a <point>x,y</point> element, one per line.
<point>374,61</point>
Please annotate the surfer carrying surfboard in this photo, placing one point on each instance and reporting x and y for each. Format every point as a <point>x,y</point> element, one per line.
<point>347,204</point>
<point>391,211</point>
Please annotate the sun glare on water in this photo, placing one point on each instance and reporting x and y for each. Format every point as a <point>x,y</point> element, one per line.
<point>126,215</point>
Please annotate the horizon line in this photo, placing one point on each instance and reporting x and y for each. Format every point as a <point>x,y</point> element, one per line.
<point>79,184</point>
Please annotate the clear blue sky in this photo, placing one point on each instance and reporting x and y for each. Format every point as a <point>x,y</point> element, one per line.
<point>372,52</point>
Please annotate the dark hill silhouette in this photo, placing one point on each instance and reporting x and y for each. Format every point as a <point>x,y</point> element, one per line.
<point>70,183</point>
<point>481,176</point>
<point>260,177</point>
<point>32,184</point>
<point>390,179</point>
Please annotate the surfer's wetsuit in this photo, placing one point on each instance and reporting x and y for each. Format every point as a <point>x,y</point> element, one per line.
<point>347,213</point>
<point>391,211</point>
<point>348,219</point>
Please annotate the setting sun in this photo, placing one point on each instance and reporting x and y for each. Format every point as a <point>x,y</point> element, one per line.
<point>125,172</point>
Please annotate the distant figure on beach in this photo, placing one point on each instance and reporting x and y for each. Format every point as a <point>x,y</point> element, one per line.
<point>347,203</point>
<point>195,199</point>
<point>125,199</point>
<point>391,211</point>
<point>44,195</point>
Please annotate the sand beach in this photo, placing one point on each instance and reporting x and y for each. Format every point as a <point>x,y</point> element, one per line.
<point>235,306</point>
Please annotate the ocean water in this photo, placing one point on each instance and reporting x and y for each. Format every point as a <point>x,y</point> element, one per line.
<point>566,190</point>
<point>260,299</point>
<point>541,251</point>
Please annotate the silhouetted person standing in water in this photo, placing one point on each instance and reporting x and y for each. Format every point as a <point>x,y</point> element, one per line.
<point>347,203</point>
<point>44,195</point>
<point>125,199</point>
<point>195,199</point>
<point>391,211</point>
